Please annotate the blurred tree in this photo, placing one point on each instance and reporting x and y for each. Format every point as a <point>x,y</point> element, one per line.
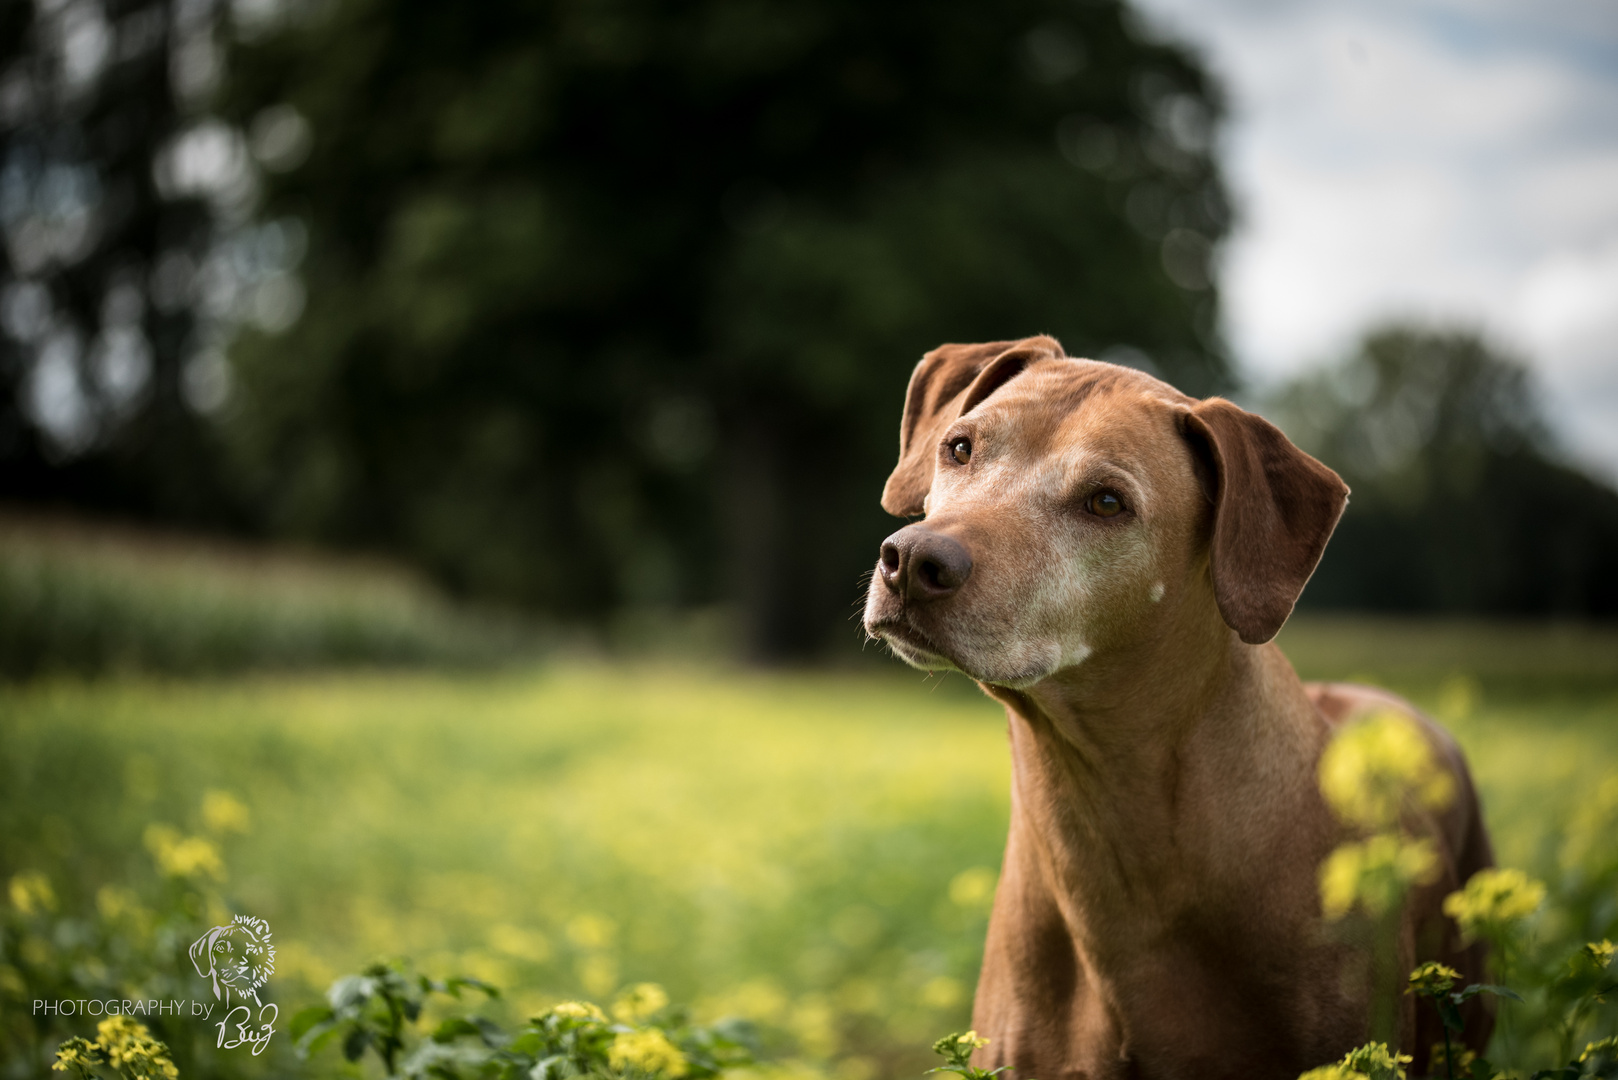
<point>1459,502</point>
<point>612,304</point>
<point>103,183</point>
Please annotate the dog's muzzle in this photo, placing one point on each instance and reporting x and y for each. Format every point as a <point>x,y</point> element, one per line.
<point>921,566</point>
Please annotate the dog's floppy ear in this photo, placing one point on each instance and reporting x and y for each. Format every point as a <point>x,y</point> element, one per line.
<point>201,950</point>
<point>1274,509</point>
<point>949,381</point>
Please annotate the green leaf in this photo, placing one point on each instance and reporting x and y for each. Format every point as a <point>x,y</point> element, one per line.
<point>527,1044</point>
<point>351,991</point>
<point>317,1037</point>
<point>305,1019</point>
<point>453,1028</point>
<point>548,1068</point>
<point>1486,988</point>
<point>356,1042</point>
<point>455,985</point>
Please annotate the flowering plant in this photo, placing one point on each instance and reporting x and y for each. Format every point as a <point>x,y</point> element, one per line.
<point>956,1050</point>
<point>645,1038</point>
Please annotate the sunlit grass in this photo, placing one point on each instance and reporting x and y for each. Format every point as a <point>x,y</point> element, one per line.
<point>815,850</point>
<point>780,845</point>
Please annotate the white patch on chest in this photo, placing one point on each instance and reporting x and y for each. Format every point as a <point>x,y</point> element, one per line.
<point>1157,591</point>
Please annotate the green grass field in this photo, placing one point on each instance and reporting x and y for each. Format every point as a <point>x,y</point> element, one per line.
<point>813,850</point>
<point>87,598</point>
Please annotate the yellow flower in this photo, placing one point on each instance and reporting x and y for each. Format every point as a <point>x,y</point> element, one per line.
<point>520,942</point>
<point>1608,1046</point>
<point>114,902</point>
<point>76,1055</point>
<point>972,1039</point>
<point>1373,1061</point>
<point>648,1051</point>
<point>184,856</point>
<point>1374,874</point>
<point>1460,1059</point>
<point>579,1010</point>
<point>1493,901</point>
<point>639,1002</point>
<point>1432,978</point>
<point>1601,952</point>
<point>31,891</point>
<point>973,888</point>
<point>129,1046</point>
<point>591,930</point>
<point>598,973</point>
<point>757,999</point>
<point>942,992</point>
<point>222,812</point>
<point>1332,1072</point>
<point>1374,764</point>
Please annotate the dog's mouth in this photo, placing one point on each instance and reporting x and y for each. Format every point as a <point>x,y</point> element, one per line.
<point>1017,670</point>
<point>911,645</point>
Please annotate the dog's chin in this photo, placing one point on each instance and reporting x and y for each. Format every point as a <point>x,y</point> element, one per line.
<point>1019,670</point>
<point>911,646</point>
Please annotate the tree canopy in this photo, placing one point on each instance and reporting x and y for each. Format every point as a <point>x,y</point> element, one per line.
<point>1460,501</point>
<point>587,306</point>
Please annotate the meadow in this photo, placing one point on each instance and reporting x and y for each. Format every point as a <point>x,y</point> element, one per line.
<point>813,850</point>
<point>77,598</point>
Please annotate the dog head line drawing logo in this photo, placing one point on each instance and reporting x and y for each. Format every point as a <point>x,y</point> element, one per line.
<point>237,957</point>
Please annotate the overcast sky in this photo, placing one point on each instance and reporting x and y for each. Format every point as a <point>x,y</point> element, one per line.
<point>1453,160</point>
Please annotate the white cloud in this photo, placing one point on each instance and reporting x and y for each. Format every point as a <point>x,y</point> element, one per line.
<point>1448,160</point>
<point>1569,308</point>
<point>1566,315</point>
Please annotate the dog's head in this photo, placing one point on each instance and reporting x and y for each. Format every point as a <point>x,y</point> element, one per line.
<point>1070,504</point>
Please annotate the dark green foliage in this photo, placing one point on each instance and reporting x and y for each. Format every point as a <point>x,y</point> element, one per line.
<point>614,306</point>
<point>618,305</point>
<point>87,229</point>
<point>116,945</point>
<point>1459,504</point>
<point>379,1009</point>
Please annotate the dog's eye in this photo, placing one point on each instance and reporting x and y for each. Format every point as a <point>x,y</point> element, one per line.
<point>961,450</point>
<point>1105,504</point>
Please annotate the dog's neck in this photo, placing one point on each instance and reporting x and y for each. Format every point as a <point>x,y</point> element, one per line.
<point>1133,772</point>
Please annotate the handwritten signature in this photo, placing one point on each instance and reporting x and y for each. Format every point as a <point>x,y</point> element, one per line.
<point>242,1017</point>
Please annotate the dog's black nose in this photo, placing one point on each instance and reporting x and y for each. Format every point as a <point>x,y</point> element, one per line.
<point>923,565</point>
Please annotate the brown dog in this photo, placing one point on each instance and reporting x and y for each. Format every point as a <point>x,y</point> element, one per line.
<point>1109,559</point>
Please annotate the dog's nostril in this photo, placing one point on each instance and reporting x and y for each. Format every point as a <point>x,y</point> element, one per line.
<point>890,558</point>
<point>931,574</point>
